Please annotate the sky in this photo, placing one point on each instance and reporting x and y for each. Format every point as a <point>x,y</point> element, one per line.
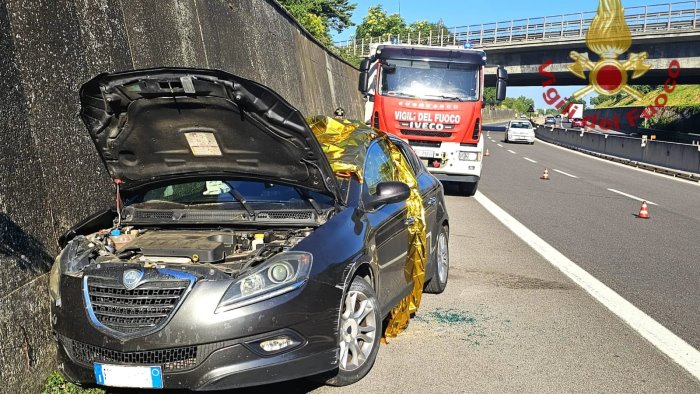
<point>469,12</point>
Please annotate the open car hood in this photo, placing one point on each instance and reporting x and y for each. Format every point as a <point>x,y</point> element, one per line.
<point>157,124</point>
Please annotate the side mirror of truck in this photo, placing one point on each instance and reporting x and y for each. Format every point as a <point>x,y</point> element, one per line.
<point>501,84</point>
<point>364,76</point>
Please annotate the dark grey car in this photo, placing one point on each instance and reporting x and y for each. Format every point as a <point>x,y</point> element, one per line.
<point>233,256</point>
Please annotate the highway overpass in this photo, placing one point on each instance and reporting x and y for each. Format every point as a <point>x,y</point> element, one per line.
<point>523,45</point>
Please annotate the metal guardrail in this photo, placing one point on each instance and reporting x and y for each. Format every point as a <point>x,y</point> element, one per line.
<point>667,17</point>
<point>679,160</point>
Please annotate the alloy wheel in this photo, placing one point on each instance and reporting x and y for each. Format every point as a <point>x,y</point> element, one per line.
<point>358,330</point>
<point>443,258</point>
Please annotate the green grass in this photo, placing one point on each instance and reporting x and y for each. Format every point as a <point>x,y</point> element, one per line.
<point>55,384</point>
<point>682,96</point>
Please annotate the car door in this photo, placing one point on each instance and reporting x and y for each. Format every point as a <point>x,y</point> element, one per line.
<point>429,189</point>
<point>389,228</point>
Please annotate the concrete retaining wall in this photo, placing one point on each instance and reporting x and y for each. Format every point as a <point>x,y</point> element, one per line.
<point>496,115</point>
<point>680,157</point>
<point>50,175</point>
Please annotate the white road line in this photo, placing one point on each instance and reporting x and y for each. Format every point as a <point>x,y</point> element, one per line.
<point>513,152</point>
<point>632,197</point>
<point>662,338</point>
<point>622,165</point>
<point>564,173</point>
<point>500,145</point>
<point>530,160</point>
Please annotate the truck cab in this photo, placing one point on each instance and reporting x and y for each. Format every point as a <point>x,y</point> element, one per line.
<point>431,97</point>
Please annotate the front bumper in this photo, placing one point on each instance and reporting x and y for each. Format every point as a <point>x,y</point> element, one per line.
<point>451,167</point>
<point>198,349</point>
<point>229,364</point>
<point>521,138</point>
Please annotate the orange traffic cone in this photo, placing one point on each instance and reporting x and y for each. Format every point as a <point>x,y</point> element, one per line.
<point>487,153</point>
<point>545,176</point>
<point>644,211</point>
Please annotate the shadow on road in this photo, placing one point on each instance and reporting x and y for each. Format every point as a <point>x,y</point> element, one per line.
<point>291,387</point>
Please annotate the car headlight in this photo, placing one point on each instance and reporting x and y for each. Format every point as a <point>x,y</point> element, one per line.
<point>280,274</point>
<point>468,156</point>
<point>54,281</point>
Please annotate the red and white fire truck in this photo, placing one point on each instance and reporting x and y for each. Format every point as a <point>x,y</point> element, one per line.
<point>431,97</point>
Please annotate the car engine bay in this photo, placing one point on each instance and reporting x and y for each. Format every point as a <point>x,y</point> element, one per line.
<point>226,252</point>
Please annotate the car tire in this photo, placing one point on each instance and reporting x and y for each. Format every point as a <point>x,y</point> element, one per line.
<point>350,331</point>
<point>468,189</point>
<point>441,265</point>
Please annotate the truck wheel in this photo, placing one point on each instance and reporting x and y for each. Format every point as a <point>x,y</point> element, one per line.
<point>359,334</point>
<point>468,188</point>
<point>441,265</point>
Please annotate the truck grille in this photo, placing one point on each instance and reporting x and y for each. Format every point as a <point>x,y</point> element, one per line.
<point>428,144</point>
<point>422,133</point>
<point>174,359</point>
<point>132,311</point>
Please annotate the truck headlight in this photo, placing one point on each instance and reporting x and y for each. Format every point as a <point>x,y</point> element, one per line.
<point>280,274</point>
<point>468,156</point>
<point>55,281</point>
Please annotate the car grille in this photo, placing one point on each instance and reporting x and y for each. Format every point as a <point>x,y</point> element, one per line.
<point>131,311</point>
<point>441,134</point>
<point>174,359</point>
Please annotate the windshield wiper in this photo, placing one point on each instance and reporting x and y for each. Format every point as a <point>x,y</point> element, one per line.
<point>239,197</point>
<point>400,94</point>
<point>304,193</point>
<point>453,98</point>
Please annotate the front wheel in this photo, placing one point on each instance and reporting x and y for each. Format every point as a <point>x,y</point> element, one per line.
<point>359,334</point>
<point>441,265</point>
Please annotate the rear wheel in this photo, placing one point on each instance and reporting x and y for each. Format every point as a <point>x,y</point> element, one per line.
<point>441,265</point>
<point>468,188</point>
<point>359,334</point>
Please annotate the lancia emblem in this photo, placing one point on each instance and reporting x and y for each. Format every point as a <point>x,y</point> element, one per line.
<point>131,278</point>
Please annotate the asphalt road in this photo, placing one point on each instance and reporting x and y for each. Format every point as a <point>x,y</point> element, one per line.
<point>654,263</point>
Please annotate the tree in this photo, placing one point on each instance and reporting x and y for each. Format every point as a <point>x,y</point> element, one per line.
<point>490,95</point>
<point>378,23</point>
<point>521,104</point>
<point>320,16</point>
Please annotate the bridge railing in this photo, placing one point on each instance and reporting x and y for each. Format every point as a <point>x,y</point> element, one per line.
<point>642,20</point>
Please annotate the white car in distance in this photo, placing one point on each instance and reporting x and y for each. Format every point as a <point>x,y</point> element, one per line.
<point>520,131</point>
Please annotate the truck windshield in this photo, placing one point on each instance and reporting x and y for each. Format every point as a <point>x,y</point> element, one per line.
<point>431,80</point>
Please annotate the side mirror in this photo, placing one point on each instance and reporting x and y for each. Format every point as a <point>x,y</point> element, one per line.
<point>364,76</point>
<point>501,83</point>
<point>388,193</point>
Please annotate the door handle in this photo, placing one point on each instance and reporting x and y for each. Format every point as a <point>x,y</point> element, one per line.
<point>432,201</point>
<point>409,221</point>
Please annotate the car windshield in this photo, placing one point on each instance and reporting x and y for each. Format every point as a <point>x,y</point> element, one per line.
<point>430,80</point>
<point>520,125</point>
<point>229,191</point>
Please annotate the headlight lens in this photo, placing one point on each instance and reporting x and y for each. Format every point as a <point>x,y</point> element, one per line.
<point>468,156</point>
<point>280,274</point>
<point>54,281</point>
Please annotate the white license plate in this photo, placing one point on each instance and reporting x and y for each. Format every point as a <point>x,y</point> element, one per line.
<point>128,376</point>
<point>425,154</point>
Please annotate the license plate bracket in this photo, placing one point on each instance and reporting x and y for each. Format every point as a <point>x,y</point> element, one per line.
<point>131,376</point>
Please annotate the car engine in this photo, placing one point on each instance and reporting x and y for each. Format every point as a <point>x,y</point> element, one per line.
<point>224,251</point>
